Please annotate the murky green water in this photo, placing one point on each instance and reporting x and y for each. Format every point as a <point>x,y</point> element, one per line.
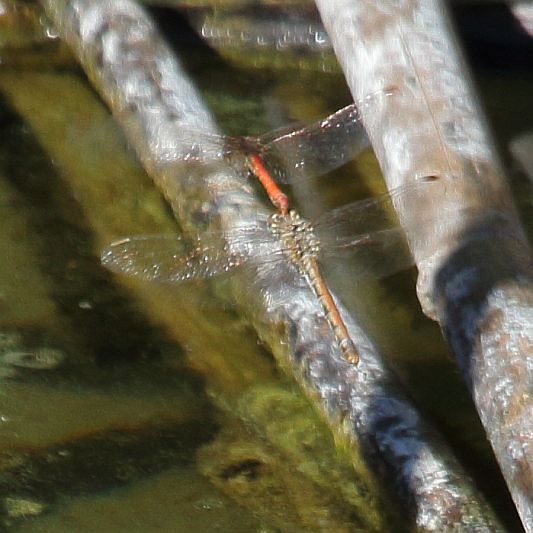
<point>129,408</point>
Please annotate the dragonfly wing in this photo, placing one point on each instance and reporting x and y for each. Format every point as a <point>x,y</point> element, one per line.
<point>316,149</point>
<point>370,230</point>
<point>372,214</point>
<point>374,255</point>
<point>277,133</point>
<point>168,259</point>
<point>200,146</point>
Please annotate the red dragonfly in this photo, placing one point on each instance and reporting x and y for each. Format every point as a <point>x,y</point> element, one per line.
<point>364,229</point>
<point>284,156</point>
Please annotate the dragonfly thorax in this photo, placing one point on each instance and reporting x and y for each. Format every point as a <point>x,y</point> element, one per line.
<point>297,237</point>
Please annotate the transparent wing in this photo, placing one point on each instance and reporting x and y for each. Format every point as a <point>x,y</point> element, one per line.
<point>371,214</point>
<point>168,259</point>
<point>289,153</point>
<point>164,259</point>
<point>367,229</point>
<point>202,146</point>
<point>373,255</point>
<point>315,149</point>
<point>318,148</point>
<point>370,232</point>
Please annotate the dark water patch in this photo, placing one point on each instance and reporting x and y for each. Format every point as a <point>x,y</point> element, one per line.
<point>96,463</point>
<point>111,327</point>
<point>493,38</point>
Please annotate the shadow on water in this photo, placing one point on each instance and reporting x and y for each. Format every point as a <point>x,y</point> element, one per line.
<point>84,292</point>
<point>102,461</point>
<point>112,348</point>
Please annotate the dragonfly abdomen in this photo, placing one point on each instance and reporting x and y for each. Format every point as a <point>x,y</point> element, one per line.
<point>301,247</point>
<point>333,316</point>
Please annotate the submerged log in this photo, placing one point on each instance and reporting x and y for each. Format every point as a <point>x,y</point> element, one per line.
<point>152,98</point>
<point>476,275</point>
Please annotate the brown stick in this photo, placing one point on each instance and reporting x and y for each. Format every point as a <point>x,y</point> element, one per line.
<point>476,273</point>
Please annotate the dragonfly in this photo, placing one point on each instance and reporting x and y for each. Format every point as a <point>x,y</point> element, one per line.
<point>286,155</point>
<point>365,229</point>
